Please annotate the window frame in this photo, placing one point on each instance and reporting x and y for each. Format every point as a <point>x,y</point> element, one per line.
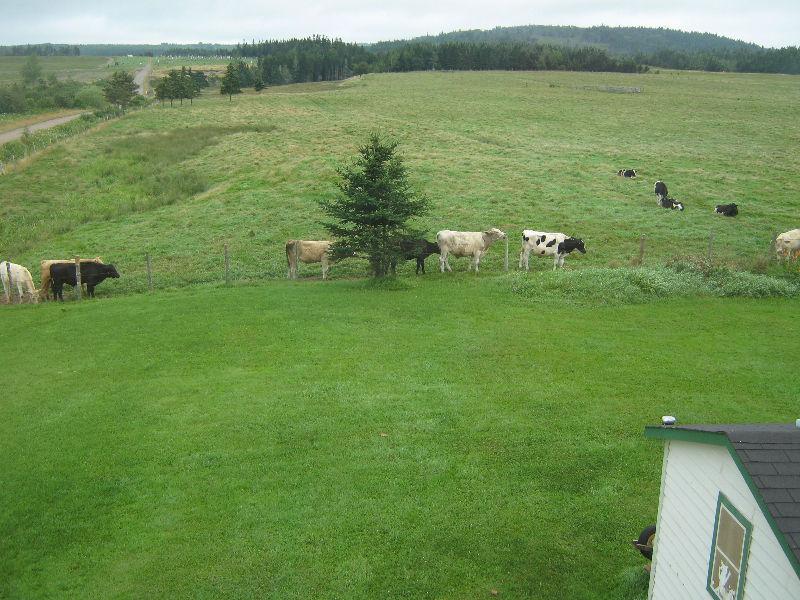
<point>722,500</point>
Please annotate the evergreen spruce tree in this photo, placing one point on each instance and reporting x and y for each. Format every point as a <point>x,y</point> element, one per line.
<point>376,202</point>
<point>230,82</point>
<point>31,70</point>
<point>120,89</point>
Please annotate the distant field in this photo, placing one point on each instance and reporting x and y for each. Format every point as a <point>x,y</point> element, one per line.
<point>81,68</point>
<point>511,150</point>
<point>162,64</point>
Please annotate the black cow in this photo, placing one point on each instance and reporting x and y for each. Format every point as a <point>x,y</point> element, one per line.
<point>727,210</point>
<point>670,203</point>
<point>92,274</point>
<point>416,249</point>
<point>627,173</point>
<point>660,189</point>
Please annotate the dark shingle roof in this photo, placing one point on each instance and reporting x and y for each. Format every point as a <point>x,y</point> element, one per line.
<point>771,455</point>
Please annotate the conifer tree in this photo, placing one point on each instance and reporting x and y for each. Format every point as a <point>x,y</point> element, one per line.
<point>120,89</point>
<point>370,216</point>
<point>230,82</point>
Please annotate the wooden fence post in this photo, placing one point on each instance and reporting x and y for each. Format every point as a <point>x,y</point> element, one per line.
<point>710,246</point>
<point>505,263</point>
<point>9,290</point>
<point>149,272</point>
<point>641,250</point>
<point>78,277</point>
<point>227,266</point>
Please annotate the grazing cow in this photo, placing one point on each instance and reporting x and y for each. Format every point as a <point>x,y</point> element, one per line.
<point>627,173</point>
<point>417,249</point>
<point>21,279</point>
<point>308,251</point>
<point>670,203</point>
<point>660,189</point>
<point>44,292</point>
<point>466,243</point>
<point>727,210</point>
<point>92,274</point>
<point>787,244</point>
<point>541,243</point>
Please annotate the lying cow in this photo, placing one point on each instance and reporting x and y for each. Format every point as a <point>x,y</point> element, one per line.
<point>660,189</point>
<point>417,249</point>
<point>20,279</point>
<point>92,274</point>
<point>670,203</point>
<point>308,251</point>
<point>727,210</point>
<point>466,243</point>
<point>627,173</point>
<point>787,244</point>
<point>44,292</point>
<point>541,243</point>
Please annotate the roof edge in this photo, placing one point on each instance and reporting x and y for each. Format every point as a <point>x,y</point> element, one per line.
<point>720,438</point>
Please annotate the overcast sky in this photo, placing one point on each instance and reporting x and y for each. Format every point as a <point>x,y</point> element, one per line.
<point>770,22</point>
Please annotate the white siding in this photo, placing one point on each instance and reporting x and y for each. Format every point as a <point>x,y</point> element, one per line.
<point>693,475</point>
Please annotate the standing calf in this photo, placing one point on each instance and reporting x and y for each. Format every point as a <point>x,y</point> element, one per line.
<point>417,249</point>
<point>541,243</point>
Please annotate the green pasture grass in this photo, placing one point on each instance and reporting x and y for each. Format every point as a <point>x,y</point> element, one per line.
<point>81,68</point>
<point>439,439</point>
<point>512,150</point>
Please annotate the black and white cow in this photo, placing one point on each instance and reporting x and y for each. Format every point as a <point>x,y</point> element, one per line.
<point>627,173</point>
<point>727,210</point>
<point>541,243</point>
<point>670,203</point>
<point>660,189</point>
<point>92,274</point>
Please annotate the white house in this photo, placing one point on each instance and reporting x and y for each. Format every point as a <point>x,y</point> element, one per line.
<point>728,523</point>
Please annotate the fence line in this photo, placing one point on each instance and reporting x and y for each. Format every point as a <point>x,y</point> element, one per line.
<point>142,278</point>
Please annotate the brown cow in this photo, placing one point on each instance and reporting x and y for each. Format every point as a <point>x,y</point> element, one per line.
<point>308,251</point>
<point>44,292</point>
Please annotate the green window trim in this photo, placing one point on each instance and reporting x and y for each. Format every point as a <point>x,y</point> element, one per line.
<point>722,500</point>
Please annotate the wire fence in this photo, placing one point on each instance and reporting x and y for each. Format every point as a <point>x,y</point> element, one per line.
<point>148,272</point>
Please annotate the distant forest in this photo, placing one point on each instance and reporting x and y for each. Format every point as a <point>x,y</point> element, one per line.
<point>527,47</point>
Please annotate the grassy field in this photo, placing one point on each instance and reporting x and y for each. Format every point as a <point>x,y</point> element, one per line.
<point>80,68</point>
<point>335,440</point>
<point>512,150</point>
<point>437,437</point>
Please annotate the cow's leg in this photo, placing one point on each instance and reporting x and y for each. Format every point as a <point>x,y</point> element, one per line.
<point>324,268</point>
<point>90,290</point>
<point>58,292</point>
<point>443,261</point>
<point>555,262</point>
<point>420,265</point>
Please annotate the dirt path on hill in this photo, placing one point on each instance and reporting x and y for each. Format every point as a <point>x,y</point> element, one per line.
<point>15,134</point>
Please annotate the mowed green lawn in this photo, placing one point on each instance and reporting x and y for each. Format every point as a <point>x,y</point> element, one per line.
<point>332,440</point>
<point>511,150</point>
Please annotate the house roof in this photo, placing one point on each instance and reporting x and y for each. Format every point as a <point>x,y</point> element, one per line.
<point>768,457</point>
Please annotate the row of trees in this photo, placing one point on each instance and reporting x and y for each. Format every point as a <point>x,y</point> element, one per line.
<point>183,84</point>
<point>782,60</point>
<point>40,50</point>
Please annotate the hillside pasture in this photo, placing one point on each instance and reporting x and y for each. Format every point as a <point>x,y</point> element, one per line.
<point>511,150</point>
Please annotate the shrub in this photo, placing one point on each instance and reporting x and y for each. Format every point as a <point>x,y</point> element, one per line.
<point>90,97</point>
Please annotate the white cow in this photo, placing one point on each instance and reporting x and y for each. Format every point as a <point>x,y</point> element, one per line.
<point>21,279</point>
<point>542,243</point>
<point>787,244</point>
<point>466,243</point>
<point>308,251</point>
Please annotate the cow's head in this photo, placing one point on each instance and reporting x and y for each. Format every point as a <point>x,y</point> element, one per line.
<point>431,248</point>
<point>570,244</point>
<point>109,271</point>
<point>619,173</point>
<point>495,234</point>
<point>677,205</point>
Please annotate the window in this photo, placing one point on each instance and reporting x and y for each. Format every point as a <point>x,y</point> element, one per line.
<point>729,547</point>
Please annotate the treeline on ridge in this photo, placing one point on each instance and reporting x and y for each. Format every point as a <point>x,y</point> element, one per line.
<point>321,59</point>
